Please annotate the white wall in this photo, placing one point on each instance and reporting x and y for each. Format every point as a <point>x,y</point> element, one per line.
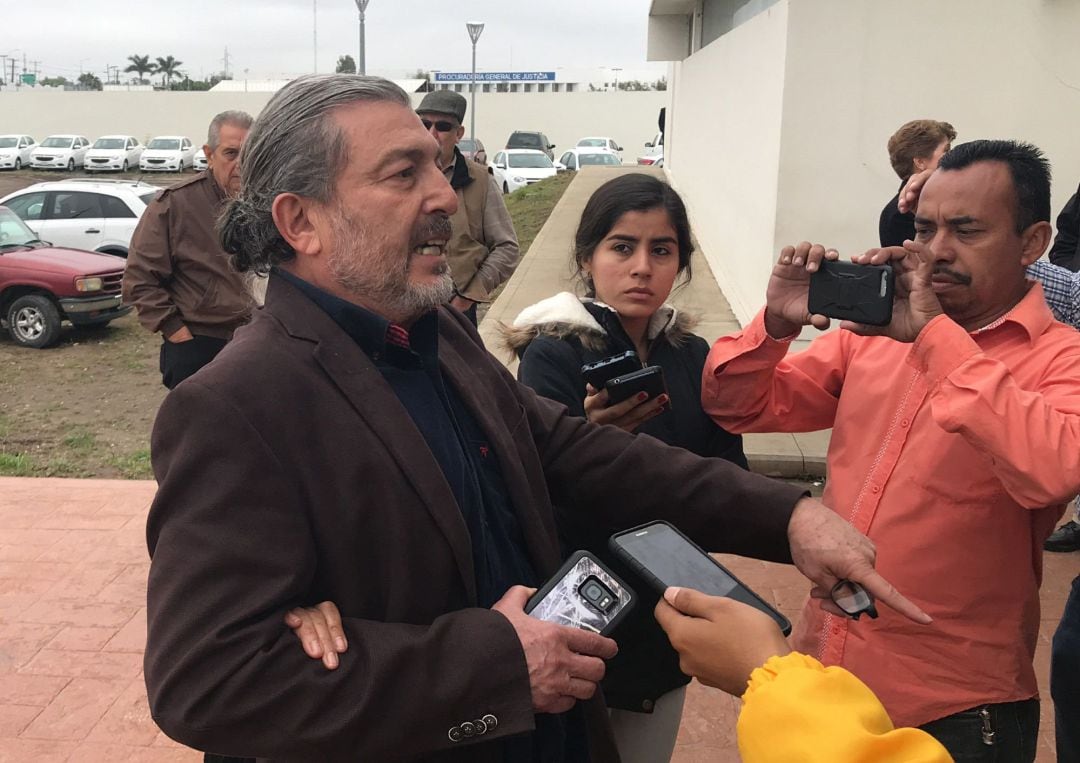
<point>630,118</point>
<point>781,124</point>
<point>722,150</point>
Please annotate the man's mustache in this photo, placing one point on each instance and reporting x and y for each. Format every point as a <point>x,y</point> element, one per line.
<point>436,227</point>
<point>959,278</point>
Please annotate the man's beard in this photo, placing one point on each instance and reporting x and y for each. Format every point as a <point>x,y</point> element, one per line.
<point>366,264</point>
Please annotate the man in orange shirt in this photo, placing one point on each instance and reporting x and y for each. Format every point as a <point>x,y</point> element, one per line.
<point>958,420</point>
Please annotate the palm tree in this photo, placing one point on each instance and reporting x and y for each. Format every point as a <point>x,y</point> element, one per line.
<point>168,67</point>
<point>140,65</point>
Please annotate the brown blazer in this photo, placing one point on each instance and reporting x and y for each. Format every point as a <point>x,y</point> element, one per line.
<point>289,473</point>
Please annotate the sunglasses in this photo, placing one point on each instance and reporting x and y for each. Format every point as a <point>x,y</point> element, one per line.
<point>441,125</point>
<point>853,599</point>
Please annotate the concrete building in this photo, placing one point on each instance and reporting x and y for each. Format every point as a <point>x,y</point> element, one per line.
<point>780,110</point>
<point>560,80</point>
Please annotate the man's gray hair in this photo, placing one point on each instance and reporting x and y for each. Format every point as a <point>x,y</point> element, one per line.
<point>294,147</point>
<point>239,119</point>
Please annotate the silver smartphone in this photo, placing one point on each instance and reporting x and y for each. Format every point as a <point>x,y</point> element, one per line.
<point>583,594</point>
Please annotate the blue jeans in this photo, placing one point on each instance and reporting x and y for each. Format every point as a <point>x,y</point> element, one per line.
<point>1065,679</point>
<point>1015,727</point>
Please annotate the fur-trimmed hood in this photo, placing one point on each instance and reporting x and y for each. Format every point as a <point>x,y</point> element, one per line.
<point>565,315</point>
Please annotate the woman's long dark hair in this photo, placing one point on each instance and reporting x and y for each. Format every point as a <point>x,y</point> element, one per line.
<point>635,192</point>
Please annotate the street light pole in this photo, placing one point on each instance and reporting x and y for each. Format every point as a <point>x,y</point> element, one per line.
<point>475,28</point>
<point>361,63</point>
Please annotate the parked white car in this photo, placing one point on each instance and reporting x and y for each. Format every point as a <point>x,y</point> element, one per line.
<point>114,152</point>
<point>201,162</point>
<point>167,153</point>
<point>608,144</point>
<point>654,152</point>
<point>576,158</point>
<point>15,151</point>
<point>95,215</point>
<point>516,168</point>
<point>60,152</point>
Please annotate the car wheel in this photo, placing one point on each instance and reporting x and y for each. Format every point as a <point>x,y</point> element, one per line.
<point>34,321</point>
<point>18,163</point>
<point>506,188</point>
<point>125,167</point>
<point>71,165</point>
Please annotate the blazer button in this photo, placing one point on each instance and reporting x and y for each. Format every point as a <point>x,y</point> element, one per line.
<point>491,721</point>
<point>455,734</point>
<point>647,705</point>
<point>468,729</point>
<point>481,727</point>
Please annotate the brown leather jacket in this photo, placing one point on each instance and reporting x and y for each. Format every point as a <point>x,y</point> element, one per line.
<point>177,273</point>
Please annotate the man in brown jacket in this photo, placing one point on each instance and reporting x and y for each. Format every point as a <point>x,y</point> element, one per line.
<point>356,443</point>
<point>483,250</point>
<point>177,276</point>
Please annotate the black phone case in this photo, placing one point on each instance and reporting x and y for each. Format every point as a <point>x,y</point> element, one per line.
<point>570,576</point>
<point>860,293</point>
<point>649,379</point>
<point>600,372</point>
<point>658,585</point>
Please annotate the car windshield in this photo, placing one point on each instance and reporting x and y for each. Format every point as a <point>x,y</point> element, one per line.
<point>530,161</point>
<point>13,231</point>
<point>596,142</point>
<point>9,142</point>
<point>598,159</point>
<point>164,144</point>
<point>525,140</point>
<point>109,143</point>
<point>467,145</point>
<point>57,142</point>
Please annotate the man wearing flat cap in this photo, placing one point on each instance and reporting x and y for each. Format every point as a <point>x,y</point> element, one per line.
<point>483,250</point>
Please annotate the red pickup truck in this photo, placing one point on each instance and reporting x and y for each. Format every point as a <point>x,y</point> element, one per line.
<point>41,286</point>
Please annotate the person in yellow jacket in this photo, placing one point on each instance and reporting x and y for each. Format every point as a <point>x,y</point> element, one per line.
<point>795,710</point>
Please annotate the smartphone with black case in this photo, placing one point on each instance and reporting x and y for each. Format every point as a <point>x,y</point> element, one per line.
<point>583,594</point>
<point>860,293</point>
<point>649,379</point>
<point>599,372</point>
<point>664,557</point>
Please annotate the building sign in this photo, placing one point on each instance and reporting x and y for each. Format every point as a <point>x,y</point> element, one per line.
<point>28,79</point>
<point>495,76</point>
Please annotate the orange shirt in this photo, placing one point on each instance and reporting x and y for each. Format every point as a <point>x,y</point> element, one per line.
<point>955,455</point>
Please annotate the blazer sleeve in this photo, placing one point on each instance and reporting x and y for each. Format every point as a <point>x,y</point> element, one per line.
<point>624,480</point>
<point>224,674</point>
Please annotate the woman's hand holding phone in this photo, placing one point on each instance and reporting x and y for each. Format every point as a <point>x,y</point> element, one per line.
<point>628,414</point>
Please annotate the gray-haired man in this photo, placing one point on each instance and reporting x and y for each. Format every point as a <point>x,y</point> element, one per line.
<point>177,276</point>
<point>483,250</point>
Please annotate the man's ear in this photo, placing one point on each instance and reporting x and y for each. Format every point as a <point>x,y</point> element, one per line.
<point>460,132</point>
<point>298,220</point>
<point>1035,240</point>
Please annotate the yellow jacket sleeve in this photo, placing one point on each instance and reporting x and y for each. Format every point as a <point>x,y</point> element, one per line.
<point>798,711</point>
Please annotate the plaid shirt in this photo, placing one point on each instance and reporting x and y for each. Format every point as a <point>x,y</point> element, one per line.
<point>1062,290</point>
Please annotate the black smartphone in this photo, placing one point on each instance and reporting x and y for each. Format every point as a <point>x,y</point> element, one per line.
<point>599,372</point>
<point>861,293</point>
<point>664,557</point>
<point>583,594</point>
<point>649,379</point>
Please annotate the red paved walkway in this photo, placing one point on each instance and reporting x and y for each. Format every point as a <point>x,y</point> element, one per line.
<point>73,569</point>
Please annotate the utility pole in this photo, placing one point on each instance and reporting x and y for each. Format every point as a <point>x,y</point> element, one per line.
<point>474,28</point>
<point>226,62</point>
<point>361,63</point>
<point>3,66</point>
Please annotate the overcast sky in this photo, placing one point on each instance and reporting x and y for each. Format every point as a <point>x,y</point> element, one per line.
<point>273,38</point>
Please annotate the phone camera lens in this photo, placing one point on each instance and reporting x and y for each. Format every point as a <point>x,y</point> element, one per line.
<point>597,594</point>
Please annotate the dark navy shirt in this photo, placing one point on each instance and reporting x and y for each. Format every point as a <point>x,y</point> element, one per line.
<point>500,557</point>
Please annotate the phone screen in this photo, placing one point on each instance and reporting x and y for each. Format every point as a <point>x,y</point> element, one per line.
<point>677,562</point>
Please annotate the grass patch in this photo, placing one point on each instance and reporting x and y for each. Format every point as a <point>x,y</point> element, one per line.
<point>134,466</point>
<point>81,441</point>
<point>15,465</point>
<point>531,206</point>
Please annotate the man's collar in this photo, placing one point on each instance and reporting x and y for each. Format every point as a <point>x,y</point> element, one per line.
<point>1031,314</point>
